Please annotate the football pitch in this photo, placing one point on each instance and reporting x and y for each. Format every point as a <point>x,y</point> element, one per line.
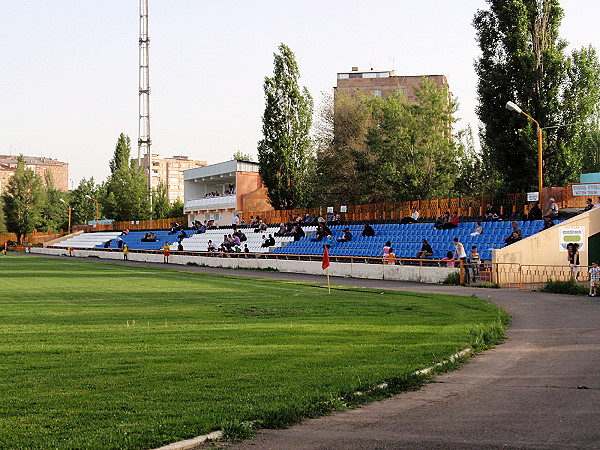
<point>103,355</point>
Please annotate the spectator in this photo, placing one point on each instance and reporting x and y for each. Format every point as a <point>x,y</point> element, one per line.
<point>441,221</point>
<point>597,205</point>
<point>452,222</point>
<point>461,254</point>
<point>179,246</point>
<point>594,278</point>
<point>265,241</point>
<point>106,244</point>
<point>125,252</point>
<point>120,242</point>
<point>211,247</point>
<point>235,221</point>
<point>336,218</point>
<point>297,233</point>
<point>368,230</point>
<point>346,236</point>
<point>246,249</point>
<point>535,213</point>
<point>413,217</point>
<point>510,237</point>
<point>385,251</point>
<point>478,230</point>
<point>425,251</point>
<point>320,220</point>
<point>588,205</point>
<point>391,258</point>
<point>573,258</point>
<point>166,252</point>
<point>514,237</point>
<point>552,209</point>
<point>491,213</point>
<point>548,222</point>
<point>282,230</point>
<point>448,260</point>
<point>329,241</point>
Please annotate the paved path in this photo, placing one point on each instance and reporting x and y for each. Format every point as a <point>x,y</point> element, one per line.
<point>540,389</point>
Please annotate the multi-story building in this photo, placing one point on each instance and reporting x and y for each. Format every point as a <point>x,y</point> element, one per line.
<point>59,170</point>
<point>383,83</point>
<point>219,191</point>
<point>170,172</point>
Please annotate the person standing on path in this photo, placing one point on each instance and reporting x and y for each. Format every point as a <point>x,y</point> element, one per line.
<point>125,252</point>
<point>459,253</point>
<point>594,279</point>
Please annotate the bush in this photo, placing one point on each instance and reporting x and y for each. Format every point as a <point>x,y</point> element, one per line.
<point>452,278</point>
<point>570,287</point>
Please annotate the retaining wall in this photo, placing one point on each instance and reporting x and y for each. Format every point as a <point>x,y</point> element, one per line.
<point>348,270</point>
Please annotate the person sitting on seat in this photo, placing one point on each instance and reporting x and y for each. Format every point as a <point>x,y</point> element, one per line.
<point>548,222</point>
<point>478,230</point>
<point>346,236</point>
<point>491,213</point>
<point>552,209</point>
<point>368,230</point>
<point>211,246</point>
<point>515,229</point>
<point>535,213</point>
<point>425,251</point>
<point>297,232</point>
<point>448,260</point>
<point>589,204</point>
<point>514,237</point>
<point>441,221</point>
<point>282,230</point>
<point>413,217</point>
<point>452,222</point>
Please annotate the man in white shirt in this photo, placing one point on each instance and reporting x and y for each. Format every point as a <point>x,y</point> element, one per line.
<point>235,221</point>
<point>460,253</point>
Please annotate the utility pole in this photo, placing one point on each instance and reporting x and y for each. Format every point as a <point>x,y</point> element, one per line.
<point>144,141</point>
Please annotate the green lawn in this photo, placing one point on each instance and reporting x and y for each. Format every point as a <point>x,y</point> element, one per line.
<point>101,355</point>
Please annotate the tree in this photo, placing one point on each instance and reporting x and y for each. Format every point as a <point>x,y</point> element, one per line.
<point>84,209</point>
<point>523,60</point>
<point>160,202</point>
<point>176,209</point>
<point>53,214</point>
<point>23,201</point>
<point>125,192</point>
<point>282,153</point>
<point>243,156</point>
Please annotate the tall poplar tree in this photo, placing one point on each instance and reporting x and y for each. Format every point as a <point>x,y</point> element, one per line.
<point>282,153</point>
<point>524,60</point>
<point>23,201</point>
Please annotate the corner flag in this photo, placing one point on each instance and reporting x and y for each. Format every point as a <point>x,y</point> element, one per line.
<point>325,264</point>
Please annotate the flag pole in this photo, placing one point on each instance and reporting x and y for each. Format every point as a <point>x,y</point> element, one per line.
<point>328,283</point>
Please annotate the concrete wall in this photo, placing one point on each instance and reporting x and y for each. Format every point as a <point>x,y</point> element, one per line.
<point>349,270</point>
<point>543,248</point>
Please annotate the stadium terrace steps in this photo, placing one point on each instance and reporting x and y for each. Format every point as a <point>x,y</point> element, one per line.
<point>88,240</point>
<point>406,239</point>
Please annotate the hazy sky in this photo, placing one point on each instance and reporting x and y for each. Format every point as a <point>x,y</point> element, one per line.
<point>69,76</point>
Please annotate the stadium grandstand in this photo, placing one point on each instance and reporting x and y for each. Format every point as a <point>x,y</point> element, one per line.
<point>406,239</point>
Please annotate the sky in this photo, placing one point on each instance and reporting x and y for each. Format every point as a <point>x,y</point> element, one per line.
<point>69,77</point>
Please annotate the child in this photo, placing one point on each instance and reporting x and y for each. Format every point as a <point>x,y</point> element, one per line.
<point>475,260</point>
<point>125,252</point>
<point>448,259</point>
<point>478,231</point>
<point>391,257</point>
<point>166,252</point>
<point>594,278</point>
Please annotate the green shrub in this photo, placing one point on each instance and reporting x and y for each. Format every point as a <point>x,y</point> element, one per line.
<point>236,431</point>
<point>570,287</point>
<point>452,278</point>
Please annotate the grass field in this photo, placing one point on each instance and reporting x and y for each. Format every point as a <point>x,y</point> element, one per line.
<point>98,355</point>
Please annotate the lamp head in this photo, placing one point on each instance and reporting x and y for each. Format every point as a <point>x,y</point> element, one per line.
<point>62,200</point>
<point>87,196</point>
<point>513,107</point>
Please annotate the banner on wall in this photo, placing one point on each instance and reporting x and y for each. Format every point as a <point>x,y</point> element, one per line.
<point>571,235</point>
<point>586,189</point>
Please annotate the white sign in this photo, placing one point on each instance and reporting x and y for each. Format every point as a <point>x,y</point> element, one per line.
<point>533,196</point>
<point>330,209</point>
<point>343,209</point>
<point>586,190</point>
<point>571,235</point>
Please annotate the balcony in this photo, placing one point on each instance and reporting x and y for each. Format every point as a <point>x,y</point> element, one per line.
<point>221,202</point>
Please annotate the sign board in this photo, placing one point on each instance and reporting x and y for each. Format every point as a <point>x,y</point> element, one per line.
<point>330,209</point>
<point>343,208</point>
<point>533,196</point>
<point>586,190</point>
<point>571,235</point>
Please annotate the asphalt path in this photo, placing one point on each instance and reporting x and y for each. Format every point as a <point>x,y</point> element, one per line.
<point>540,389</point>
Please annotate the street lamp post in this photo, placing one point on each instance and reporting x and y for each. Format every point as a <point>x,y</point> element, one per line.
<point>513,107</point>
<point>92,198</point>
<point>70,209</point>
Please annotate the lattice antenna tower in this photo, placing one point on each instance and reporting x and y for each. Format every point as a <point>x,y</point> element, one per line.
<point>144,141</point>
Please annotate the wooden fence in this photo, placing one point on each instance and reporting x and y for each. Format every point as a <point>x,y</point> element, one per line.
<point>462,206</point>
<point>155,224</point>
<point>37,237</point>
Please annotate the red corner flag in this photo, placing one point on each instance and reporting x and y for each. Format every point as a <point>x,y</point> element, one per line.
<point>325,264</point>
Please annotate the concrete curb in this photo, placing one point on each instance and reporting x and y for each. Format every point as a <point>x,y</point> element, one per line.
<point>191,443</point>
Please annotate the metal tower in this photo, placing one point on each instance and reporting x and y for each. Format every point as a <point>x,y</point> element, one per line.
<point>144,140</point>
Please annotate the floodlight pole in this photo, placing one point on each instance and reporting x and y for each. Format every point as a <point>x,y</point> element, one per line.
<point>97,207</point>
<point>513,107</point>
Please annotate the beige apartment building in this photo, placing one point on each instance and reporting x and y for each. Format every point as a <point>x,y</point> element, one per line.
<point>170,171</point>
<point>383,83</point>
<point>59,170</point>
